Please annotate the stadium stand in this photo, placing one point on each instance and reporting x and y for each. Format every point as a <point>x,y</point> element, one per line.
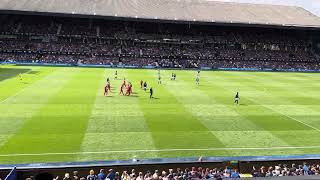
<point>59,40</point>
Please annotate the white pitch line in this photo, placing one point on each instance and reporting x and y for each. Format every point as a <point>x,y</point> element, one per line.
<point>281,113</point>
<point>163,150</point>
<point>292,118</point>
<point>19,92</point>
<point>272,109</point>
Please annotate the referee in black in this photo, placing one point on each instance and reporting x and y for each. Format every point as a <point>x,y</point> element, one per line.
<point>236,98</point>
<point>151,93</point>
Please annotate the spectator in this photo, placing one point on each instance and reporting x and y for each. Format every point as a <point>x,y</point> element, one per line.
<point>111,174</point>
<point>117,176</point>
<point>140,177</point>
<point>75,175</point>
<point>305,169</point>
<point>102,175</point>
<point>92,176</point>
<point>235,174</point>
<point>66,176</point>
<point>125,176</point>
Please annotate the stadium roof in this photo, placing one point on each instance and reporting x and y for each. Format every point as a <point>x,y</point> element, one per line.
<point>179,10</point>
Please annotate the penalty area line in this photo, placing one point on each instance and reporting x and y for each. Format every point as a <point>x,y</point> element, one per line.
<point>163,150</point>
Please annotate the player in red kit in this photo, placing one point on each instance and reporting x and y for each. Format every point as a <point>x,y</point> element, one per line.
<point>123,86</point>
<point>129,90</point>
<point>107,89</point>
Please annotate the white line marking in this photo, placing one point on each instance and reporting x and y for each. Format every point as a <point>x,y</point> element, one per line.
<point>164,150</point>
<point>19,92</point>
<point>283,114</point>
<point>292,118</point>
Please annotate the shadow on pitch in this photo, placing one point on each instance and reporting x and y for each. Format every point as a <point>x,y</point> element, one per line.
<point>133,95</point>
<point>7,73</point>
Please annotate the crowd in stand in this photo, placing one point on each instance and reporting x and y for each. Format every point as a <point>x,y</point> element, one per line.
<point>195,173</point>
<point>285,170</point>
<point>83,41</point>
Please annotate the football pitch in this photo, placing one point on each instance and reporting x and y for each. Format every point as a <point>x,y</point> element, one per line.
<point>59,114</point>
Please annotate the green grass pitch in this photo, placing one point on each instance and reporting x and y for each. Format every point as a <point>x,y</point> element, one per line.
<point>58,114</point>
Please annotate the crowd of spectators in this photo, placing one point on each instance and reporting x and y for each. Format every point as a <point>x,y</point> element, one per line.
<point>286,170</point>
<point>73,41</point>
<point>195,173</point>
<point>170,174</point>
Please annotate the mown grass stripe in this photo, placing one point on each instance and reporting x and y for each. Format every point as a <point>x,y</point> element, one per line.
<point>117,120</point>
<point>10,83</point>
<point>52,128</point>
<point>272,120</point>
<point>289,93</point>
<point>224,121</point>
<point>19,108</point>
<point>169,120</point>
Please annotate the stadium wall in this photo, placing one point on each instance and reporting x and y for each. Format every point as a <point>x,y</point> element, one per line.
<point>243,163</point>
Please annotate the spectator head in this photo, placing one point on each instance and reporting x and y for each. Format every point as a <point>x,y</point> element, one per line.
<point>91,172</point>
<point>117,175</point>
<point>75,173</point>
<point>67,175</point>
<point>101,170</point>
